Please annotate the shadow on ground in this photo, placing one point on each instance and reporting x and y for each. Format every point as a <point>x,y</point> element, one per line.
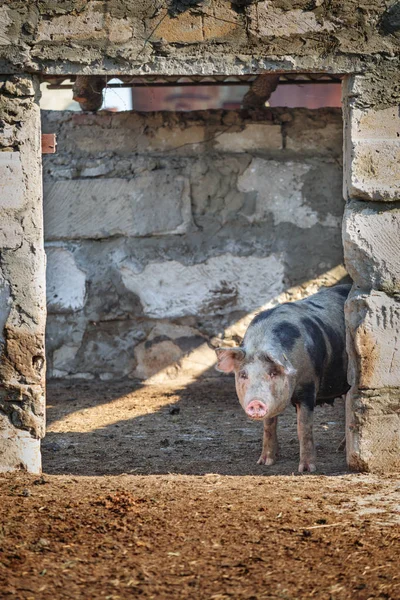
<point>198,428</point>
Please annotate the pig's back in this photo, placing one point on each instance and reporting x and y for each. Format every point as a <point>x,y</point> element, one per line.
<point>311,334</point>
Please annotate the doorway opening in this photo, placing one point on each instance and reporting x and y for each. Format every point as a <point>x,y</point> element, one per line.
<point>166,232</point>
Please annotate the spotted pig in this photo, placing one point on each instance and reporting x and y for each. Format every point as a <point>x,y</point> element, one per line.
<point>294,352</point>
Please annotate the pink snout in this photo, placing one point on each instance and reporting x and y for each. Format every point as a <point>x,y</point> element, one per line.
<point>256,409</point>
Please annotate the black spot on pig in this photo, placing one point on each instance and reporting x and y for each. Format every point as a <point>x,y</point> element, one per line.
<point>315,304</point>
<point>334,337</point>
<point>266,314</point>
<point>287,334</point>
<point>343,290</point>
<point>315,345</point>
<point>262,316</point>
<point>335,371</point>
<point>292,305</point>
<point>305,395</point>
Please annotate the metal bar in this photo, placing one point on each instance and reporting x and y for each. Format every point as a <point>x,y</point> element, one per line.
<point>198,84</point>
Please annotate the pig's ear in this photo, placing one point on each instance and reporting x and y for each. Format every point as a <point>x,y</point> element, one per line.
<point>229,359</point>
<point>284,363</point>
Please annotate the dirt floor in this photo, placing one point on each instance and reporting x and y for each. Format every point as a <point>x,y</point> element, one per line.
<point>189,429</point>
<point>154,492</point>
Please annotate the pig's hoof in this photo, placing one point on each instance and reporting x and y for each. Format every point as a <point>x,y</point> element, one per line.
<point>263,460</point>
<point>307,466</point>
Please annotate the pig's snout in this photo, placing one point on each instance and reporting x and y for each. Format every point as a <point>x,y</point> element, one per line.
<point>256,409</point>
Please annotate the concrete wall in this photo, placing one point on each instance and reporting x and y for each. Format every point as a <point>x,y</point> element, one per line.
<point>165,232</point>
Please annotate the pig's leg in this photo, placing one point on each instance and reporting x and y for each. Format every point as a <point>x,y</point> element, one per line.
<point>306,439</point>
<point>270,443</point>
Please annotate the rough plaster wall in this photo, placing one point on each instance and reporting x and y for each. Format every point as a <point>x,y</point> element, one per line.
<point>22,276</point>
<point>163,235</point>
<point>206,36</point>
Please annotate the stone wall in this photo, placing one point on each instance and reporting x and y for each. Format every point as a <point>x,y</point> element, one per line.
<point>165,232</point>
<point>221,37</point>
<point>22,276</point>
<point>202,36</point>
<point>371,237</point>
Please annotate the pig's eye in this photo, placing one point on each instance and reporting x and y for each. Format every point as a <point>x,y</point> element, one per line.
<point>242,374</point>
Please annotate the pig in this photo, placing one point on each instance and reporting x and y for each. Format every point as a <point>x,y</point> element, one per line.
<point>292,353</point>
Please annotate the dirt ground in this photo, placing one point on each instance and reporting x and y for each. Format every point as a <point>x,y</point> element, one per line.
<point>192,429</point>
<point>154,492</point>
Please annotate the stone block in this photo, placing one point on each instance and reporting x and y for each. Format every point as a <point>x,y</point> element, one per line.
<point>173,351</point>
<point>63,358</point>
<point>7,134</point>
<point>125,133</point>
<point>107,349</point>
<point>65,282</point>
<point>11,232</point>
<point>265,20</point>
<point>20,86</point>
<point>24,405</point>
<point>97,170</point>
<point>254,137</point>
<point>375,170</point>
<point>217,21</point>
<point>159,362</point>
<point>6,37</point>
<point>63,331</point>
<point>282,193</point>
<point>185,28</point>
<point>18,449</point>
<point>371,239</point>
<point>371,124</point>
<point>371,149</point>
<point>321,135</point>
<point>373,431</point>
<point>155,203</point>
<point>85,133</point>
<point>121,31</point>
<point>373,343</point>
<point>90,24</point>
<point>165,139</point>
<point>217,286</point>
<point>12,186</point>
<point>220,21</point>
<point>377,89</point>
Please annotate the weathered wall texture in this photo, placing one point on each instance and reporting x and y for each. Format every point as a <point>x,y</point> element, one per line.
<point>22,276</point>
<point>201,36</point>
<point>164,231</point>
<point>371,236</point>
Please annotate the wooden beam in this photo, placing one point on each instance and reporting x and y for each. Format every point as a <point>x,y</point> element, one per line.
<point>260,91</point>
<point>88,91</point>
